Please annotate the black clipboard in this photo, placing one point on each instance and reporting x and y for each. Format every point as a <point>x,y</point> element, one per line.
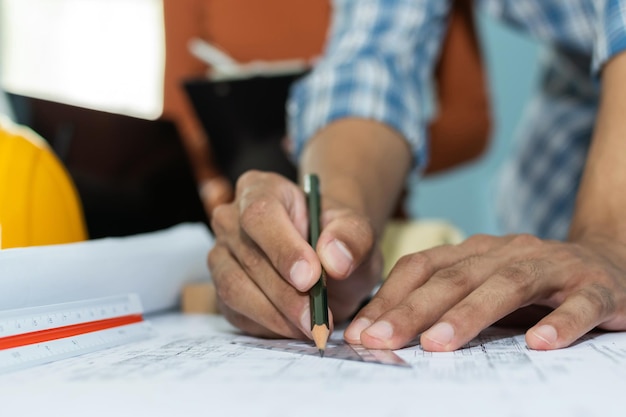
<point>245,120</point>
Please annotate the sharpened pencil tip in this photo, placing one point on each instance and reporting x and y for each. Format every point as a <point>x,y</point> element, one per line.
<point>320,337</point>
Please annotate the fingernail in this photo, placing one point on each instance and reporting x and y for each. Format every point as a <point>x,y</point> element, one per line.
<point>380,330</point>
<point>305,320</point>
<point>354,330</point>
<point>546,333</point>
<point>337,257</point>
<point>300,275</point>
<point>440,333</point>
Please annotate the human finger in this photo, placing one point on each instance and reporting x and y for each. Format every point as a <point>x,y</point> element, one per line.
<point>290,302</point>
<point>579,313</point>
<point>274,216</point>
<point>345,296</point>
<point>410,273</point>
<point>257,268</point>
<point>346,240</point>
<point>244,304</point>
<point>509,288</point>
<point>445,289</point>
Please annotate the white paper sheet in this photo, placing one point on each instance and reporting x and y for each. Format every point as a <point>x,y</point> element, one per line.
<point>193,369</point>
<point>153,265</point>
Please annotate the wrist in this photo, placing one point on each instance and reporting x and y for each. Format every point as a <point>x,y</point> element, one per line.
<point>362,164</point>
<point>598,232</point>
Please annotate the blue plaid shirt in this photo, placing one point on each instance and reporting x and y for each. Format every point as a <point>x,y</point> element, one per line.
<point>379,63</point>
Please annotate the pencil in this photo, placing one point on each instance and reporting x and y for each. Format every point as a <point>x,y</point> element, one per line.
<point>317,294</point>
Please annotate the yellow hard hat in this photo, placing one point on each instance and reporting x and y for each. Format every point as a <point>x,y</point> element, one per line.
<point>39,204</point>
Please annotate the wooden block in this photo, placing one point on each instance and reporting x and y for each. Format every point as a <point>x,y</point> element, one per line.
<point>199,298</point>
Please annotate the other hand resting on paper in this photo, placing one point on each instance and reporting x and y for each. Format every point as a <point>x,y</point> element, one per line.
<point>450,293</point>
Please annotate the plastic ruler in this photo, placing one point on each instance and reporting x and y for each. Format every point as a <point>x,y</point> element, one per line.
<point>37,335</point>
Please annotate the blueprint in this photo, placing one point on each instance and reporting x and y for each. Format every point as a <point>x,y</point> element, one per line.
<point>197,362</point>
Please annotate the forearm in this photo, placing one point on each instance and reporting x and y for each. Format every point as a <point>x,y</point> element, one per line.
<point>601,199</point>
<point>377,66</point>
<point>362,164</point>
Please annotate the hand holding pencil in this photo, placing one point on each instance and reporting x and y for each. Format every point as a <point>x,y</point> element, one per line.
<point>265,269</point>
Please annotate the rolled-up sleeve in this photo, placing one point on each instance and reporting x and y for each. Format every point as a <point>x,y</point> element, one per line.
<point>611,32</point>
<point>377,65</point>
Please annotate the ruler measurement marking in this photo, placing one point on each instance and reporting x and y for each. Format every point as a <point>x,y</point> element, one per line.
<point>21,321</point>
<point>37,335</point>
<point>46,335</point>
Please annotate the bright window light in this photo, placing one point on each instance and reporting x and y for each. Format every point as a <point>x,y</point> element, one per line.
<point>106,55</point>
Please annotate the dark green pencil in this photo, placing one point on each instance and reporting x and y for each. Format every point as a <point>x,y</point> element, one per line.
<point>317,294</point>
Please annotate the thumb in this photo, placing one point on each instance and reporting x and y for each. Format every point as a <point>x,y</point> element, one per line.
<point>346,240</point>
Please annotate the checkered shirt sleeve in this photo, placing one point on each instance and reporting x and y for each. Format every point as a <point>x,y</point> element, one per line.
<point>376,66</point>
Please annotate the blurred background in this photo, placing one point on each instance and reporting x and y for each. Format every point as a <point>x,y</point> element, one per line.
<point>465,195</point>
<point>109,79</point>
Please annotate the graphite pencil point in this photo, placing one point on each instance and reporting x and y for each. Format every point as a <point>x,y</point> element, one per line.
<point>320,337</point>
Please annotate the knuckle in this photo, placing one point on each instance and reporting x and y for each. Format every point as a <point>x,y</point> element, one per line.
<point>408,309</point>
<point>255,211</point>
<point>226,287</point>
<point>379,303</point>
<point>480,242</point>
<point>250,259</point>
<point>601,299</point>
<point>520,275</point>
<point>565,255</point>
<point>252,178</point>
<point>470,261</point>
<point>220,218</point>
<point>526,240</point>
<point>247,178</point>
<point>415,263</point>
<point>454,277</point>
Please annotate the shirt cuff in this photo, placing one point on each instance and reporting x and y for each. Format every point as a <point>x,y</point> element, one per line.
<point>367,88</point>
<point>612,39</point>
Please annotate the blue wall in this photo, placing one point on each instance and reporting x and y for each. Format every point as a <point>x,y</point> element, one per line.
<point>465,196</point>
